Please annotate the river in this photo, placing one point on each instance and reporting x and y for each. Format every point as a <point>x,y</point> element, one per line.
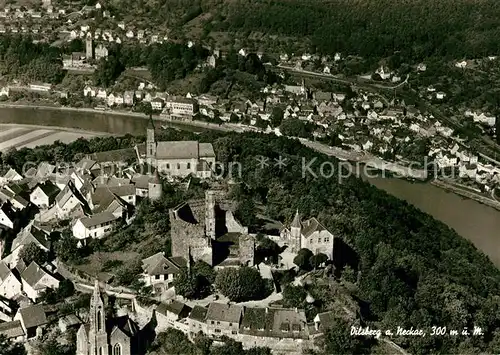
<point>478,223</point>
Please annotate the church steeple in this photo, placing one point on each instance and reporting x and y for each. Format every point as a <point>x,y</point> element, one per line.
<point>150,141</point>
<point>98,337</point>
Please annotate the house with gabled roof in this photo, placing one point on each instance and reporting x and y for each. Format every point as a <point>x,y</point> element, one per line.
<point>32,319</point>
<point>10,285</point>
<point>44,195</point>
<point>160,271</point>
<point>69,202</point>
<point>96,226</point>
<point>223,319</point>
<point>12,175</point>
<point>168,314</point>
<point>28,235</point>
<point>7,215</point>
<point>37,280</point>
<point>13,331</point>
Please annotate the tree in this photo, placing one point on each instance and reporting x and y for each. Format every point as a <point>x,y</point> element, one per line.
<point>338,340</point>
<point>197,283</point>
<point>7,347</point>
<point>242,284</point>
<point>276,116</point>
<point>174,342</point>
<point>318,259</point>
<point>294,296</point>
<point>66,248</point>
<point>348,274</point>
<point>66,289</point>
<point>303,259</point>
<point>34,253</point>
<point>245,212</point>
<point>107,71</point>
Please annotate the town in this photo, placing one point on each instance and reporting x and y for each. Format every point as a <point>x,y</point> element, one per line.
<point>139,245</point>
<point>383,119</point>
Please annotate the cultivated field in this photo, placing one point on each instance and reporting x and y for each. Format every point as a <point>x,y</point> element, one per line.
<point>21,136</point>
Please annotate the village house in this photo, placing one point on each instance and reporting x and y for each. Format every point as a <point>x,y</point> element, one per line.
<point>37,280</point>
<point>7,215</point>
<point>167,314</point>
<point>10,285</point>
<point>13,331</point>
<point>157,104</point>
<point>128,98</point>
<point>160,271</point>
<point>181,107</point>
<point>44,195</point>
<point>28,235</point>
<point>4,91</point>
<point>223,319</point>
<point>100,51</point>
<point>68,203</point>
<point>32,319</point>
<point>196,320</point>
<point>89,91</point>
<point>95,227</point>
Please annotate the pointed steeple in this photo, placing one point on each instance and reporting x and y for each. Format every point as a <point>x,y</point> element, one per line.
<point>151,123</point>
<point>296,220</point>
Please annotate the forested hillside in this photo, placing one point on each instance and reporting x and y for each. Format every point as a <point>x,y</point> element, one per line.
<point>370,28</point>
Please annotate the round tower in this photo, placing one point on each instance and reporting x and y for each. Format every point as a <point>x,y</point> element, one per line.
<point>155,188</point>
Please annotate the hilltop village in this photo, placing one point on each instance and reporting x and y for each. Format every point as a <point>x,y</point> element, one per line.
<point>50,215</point>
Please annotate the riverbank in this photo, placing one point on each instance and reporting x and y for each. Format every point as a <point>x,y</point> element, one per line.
<point>467,193</point>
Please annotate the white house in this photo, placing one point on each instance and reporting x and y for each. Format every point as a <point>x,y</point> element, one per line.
<point>66,201</point>
<point>4,91</point>
<point>44,195</point>
<point>160,271</point>
<point>157,104</point>
<point>96,226</point>
<point>7,215</point>
<point>10,285</point>
<point>36,280</point>
<point>89,91</point>
<point>32,320</point>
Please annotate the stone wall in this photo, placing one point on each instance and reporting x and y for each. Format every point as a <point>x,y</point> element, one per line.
<point>246,250</point>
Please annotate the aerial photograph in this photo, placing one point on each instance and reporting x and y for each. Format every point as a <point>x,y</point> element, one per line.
<point>249,177</point>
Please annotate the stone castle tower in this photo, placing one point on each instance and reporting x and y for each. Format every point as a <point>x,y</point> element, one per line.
<point>89,48</point>
<point>150,142</point>
<point>98,337</point>
<point>210,213</point>
<point>295,232</point>
<point>155,188</point>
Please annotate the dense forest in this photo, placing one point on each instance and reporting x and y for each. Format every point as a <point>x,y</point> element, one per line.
<point>370,28</point>
<point>415,271</point>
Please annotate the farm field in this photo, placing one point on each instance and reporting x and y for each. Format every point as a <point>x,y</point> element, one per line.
<point>25,136</point>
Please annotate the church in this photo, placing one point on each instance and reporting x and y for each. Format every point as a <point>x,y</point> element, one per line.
<point>176,158</point>
<point>310,234</point>
<point>101,336</point>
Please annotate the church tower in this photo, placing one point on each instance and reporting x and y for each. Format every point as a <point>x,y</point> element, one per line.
<point>296,232</point>
<point>98,337</point>
<point>89,46</point>
<point>150,142</point>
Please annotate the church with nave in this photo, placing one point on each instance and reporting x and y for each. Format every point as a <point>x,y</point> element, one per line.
<point>101,336</point>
